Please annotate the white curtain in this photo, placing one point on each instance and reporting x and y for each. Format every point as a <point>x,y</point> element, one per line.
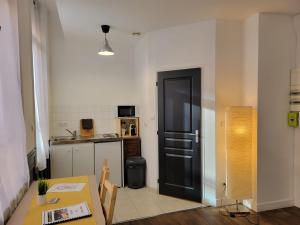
<point>13,160</point>
<point>40,70</point>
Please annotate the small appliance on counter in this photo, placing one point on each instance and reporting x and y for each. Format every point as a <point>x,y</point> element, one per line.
<point>132,129</point>
<point>126,111</point>
<point>87,128</point>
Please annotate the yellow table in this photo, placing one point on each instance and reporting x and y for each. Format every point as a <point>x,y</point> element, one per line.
<point>29,213</point>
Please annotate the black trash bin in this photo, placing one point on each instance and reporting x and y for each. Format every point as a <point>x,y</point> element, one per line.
<point>136,168</point>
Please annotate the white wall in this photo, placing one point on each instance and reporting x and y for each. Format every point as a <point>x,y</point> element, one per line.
<point>297,130</point>
<point>297,29</point>
<point>176,48</point>
<point>215,46</point>
<point>84,84</point>
<point>269,45</point>
<point>269,54</point>
<point>250,61</point>
<point>228,88</point>
<point>277,44</point>
<point>250,86</point>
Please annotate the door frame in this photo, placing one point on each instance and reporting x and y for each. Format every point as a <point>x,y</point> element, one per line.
<point>202,147</point>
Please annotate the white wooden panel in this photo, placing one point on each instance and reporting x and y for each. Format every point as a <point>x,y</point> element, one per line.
<point>83,159</point>
<point>61,161</point>
<point>112,152</point>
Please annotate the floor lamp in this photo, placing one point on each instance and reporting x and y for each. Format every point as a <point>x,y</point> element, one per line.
<point>239,145</point>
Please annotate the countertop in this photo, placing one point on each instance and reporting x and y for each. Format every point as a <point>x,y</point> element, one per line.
<point>98,138</point>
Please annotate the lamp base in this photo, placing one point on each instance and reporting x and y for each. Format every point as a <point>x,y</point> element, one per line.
<point>237,209</point>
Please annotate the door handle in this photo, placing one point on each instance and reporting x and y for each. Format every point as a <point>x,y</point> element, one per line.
<point>196,134</point>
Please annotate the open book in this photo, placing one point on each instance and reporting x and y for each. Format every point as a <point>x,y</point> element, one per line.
<point>65,214</point>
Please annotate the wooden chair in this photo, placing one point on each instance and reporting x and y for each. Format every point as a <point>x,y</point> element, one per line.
<point>111,190</point>
<point>104,175</point>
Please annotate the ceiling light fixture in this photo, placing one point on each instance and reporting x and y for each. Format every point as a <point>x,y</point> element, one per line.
<point>106,50</point>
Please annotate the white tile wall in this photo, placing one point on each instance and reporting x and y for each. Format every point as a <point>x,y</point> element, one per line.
<point>68,117</point>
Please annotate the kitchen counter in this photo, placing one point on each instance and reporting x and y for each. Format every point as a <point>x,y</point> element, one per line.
<point>98,138</point>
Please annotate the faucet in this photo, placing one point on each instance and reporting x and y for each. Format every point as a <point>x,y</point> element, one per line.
<point>73,133</point>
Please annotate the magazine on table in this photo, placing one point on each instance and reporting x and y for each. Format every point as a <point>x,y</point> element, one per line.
<point>67,187</point>
<point>73,212</point>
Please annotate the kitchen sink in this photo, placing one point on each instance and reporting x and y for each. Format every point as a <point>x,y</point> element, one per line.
<point>64,138</point>
<point>56,140</point>
<point>110,136</point>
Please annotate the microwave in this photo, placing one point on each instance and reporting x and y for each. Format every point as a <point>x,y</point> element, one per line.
<point>126,111</point>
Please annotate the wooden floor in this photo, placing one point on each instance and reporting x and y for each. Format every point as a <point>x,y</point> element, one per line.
<point>211,216</point>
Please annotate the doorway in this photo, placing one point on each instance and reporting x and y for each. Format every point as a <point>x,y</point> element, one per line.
<point>179,133</point>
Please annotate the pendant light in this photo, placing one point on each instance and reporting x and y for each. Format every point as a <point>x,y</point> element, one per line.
<point>106,49</point>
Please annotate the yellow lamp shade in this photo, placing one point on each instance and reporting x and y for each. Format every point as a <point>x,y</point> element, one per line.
<point>239,145</point>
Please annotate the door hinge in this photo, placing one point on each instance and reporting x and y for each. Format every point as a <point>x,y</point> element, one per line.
<point>158,180</point>
<point>157,132</point>
<point>156,83</point>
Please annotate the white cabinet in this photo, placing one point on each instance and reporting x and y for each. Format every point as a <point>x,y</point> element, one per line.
<point>61,161</point>
<point>112,151</point>
<point>72,160</point>
<point>83,159</point>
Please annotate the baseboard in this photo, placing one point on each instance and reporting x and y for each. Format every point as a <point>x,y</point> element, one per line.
<point>251,204</point>
<point>283,203</point>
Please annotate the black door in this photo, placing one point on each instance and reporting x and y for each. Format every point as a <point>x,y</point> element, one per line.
<point>179,127</point>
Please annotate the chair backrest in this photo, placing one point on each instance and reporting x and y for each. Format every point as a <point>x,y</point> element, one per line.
<point>110,190</point>
<point>104,166</point>
<point>104,175</point>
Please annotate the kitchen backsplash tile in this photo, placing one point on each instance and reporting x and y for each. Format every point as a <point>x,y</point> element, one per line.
<point>68,117</point>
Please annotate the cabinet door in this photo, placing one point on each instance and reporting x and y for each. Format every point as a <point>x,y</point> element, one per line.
<point>132,147</point>
<point>83,159</point>
<point>61,161</point>
<point>112,151</point>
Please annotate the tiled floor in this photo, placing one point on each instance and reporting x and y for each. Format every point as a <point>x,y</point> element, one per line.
<point>134,204</point>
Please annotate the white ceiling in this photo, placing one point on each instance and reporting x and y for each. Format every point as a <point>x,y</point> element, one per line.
<point>79,16</point>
